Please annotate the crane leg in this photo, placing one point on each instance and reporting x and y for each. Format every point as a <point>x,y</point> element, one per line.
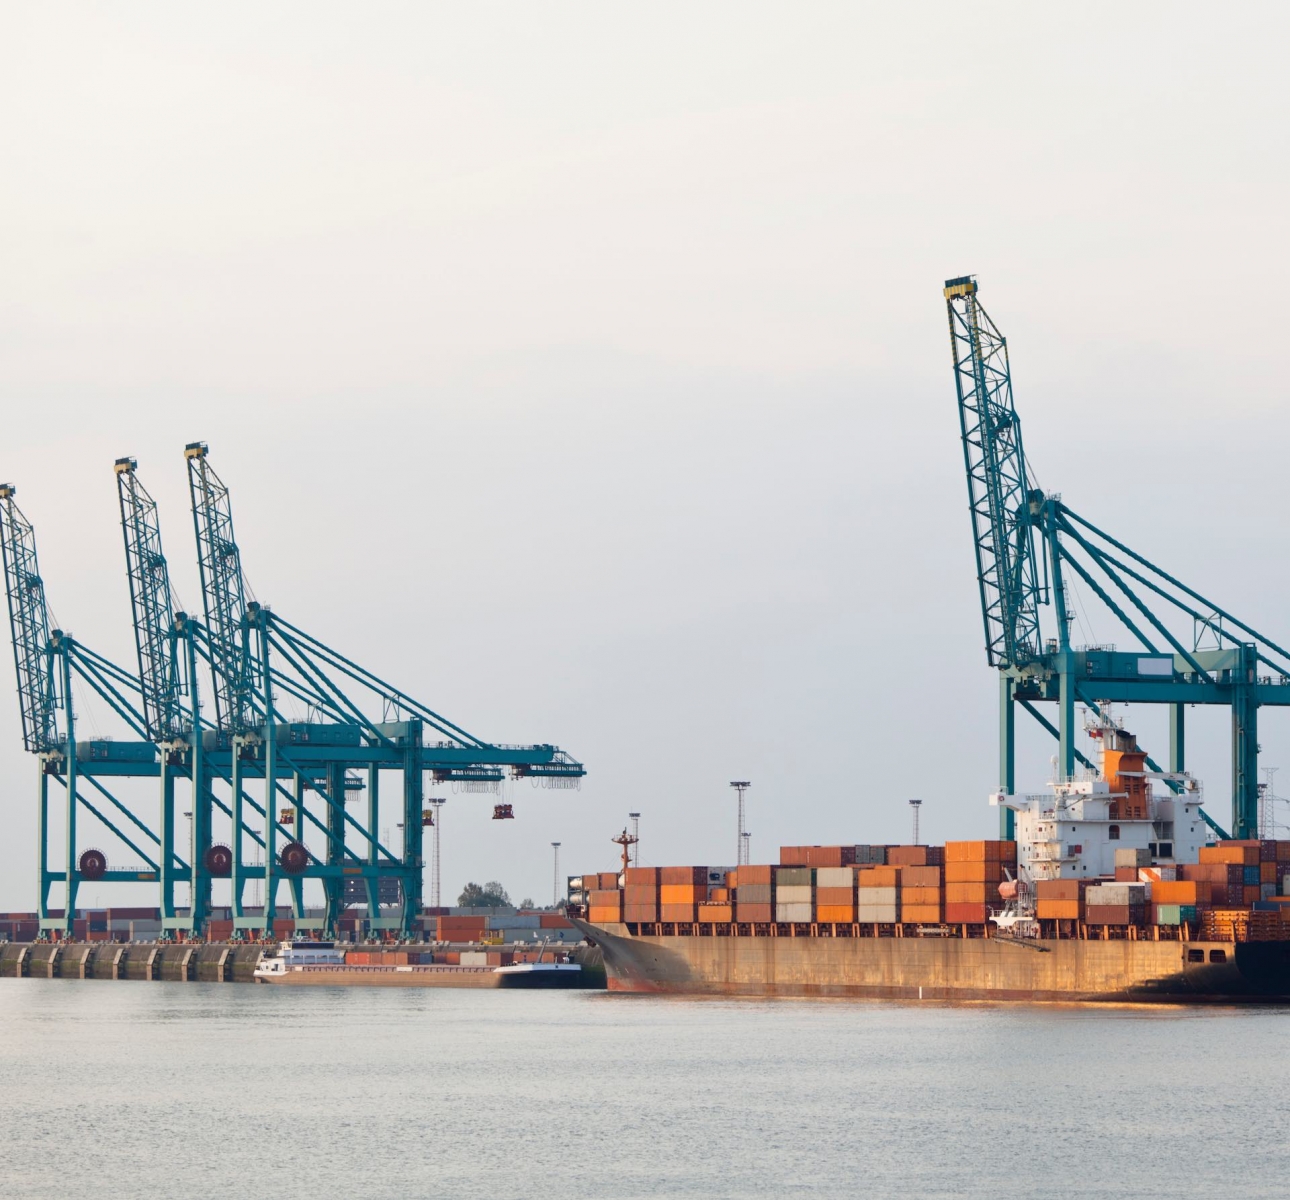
<point>1007,752</point>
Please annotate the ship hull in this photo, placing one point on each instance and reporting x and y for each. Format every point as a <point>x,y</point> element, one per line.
<point>428,976</point>
<point>946,968</point>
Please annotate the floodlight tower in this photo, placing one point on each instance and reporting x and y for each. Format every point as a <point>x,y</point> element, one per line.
<point>914,806</point>
<point>741,849</point>
<point>636,833</point>
<point>436,803</point>
<point>555,875</point>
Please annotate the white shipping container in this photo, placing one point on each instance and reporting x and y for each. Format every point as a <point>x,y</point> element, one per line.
<point>474,958</point>
<point>794,894</point>
<point>876,895</point>
<point>798,914</point>
<point>834,877</point>
<point>1116,893</point>
<point>882,913</point>
<point>1132,856</point>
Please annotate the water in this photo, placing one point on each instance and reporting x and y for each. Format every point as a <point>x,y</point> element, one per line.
<point>208,1090</point>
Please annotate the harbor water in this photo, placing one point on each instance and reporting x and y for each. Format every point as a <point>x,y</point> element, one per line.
<point>209,1090</point>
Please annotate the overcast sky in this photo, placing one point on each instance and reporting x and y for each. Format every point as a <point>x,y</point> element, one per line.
<point>585,369</point>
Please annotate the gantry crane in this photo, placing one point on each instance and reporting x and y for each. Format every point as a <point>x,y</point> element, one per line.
<point>47,662</point>
<point>1030,547</point>
<point>258,659</point>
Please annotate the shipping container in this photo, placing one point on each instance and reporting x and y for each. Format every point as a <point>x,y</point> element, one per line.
<point>794,894</point>
<point>1181,891</point>
<point>882,914</point>
<point>1237,853</point>
<point>920,876</point>
<point>676,912</point>
<point>1057,910</point>
<point>716,914</point>
<point>835,877</point>
<point>972,893</point>
<point>640,913</point>
<point>695,876</point>
<point>763,874</point>
<point>878,877</point>
<point>966,914</point>
<point>878,895</point>
<point>921,896</point>
<point>789,914</point>
<point>981,852</point>
<point>974,872</point>
<point>754,914</point>
<point>835,895</point>
<point>599,915</point>
<point>794,876</point>
<point>641,877</point>
<point>682,893</point>
<point>920,913</point>
<point>754,893</point>
<point>1113,914</point>
<point>1132,856</point>
<point>836,913</point>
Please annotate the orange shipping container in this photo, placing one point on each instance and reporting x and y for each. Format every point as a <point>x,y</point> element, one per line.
<point>755,875</point>
<point>1180,891</point>
<point>974,872</point>
<point>1057,910</point>
<point>921,895</point>
<point>682,893</point>
<point>1252,894</point>
<point>920,876</point>
<point>825,896</point>
<point>641,876</point>
<point>1059,889</point>
<point>907,856</point>
<point>883,877</point>
<point>604,899</point>
<point>971,893</point>
<point>598,916</point>
<point>845,913</point>
<point>716,914</point>
<point>719,895</point>
<point>1268,872</point>
<point>920,912</point>
<point>676,912</point>
<point>981,852</point>
<point>1230,852</point>
<point>755,914</point>
<point>691,875</point>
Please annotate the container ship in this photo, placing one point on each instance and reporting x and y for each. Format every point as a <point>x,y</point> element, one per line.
<point>1106,893</point>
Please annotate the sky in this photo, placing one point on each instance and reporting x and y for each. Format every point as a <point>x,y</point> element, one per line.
<point>584,368</point>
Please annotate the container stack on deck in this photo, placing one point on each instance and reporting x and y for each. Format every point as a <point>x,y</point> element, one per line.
<point>1237,890</point>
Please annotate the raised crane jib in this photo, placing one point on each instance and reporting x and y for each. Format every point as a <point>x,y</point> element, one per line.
<point>223,591</point>
<point>29,625</point>
<point>1004,507</point>
<point>151,606</point>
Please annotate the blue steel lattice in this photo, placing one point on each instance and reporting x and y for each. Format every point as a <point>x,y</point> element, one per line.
<point>29,624</point>
<point>1003,506</point>
<point>151,604</point>
<point>223,591</point>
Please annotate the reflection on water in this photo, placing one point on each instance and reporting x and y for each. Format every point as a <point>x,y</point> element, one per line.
<point>208,1090</point>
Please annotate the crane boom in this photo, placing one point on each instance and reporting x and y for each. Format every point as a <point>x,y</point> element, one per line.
<point>1004,508</point>
<point>151,605</point>
<point>223,590</point>
<point>29,623</point>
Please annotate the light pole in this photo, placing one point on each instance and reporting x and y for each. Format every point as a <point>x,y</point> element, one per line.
<point>636,833</point>
<point>555,878</point>
<point>915,805</point>
<point>741,847</point>
<point>437,802</point>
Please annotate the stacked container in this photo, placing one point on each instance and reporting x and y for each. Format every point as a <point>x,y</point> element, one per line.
<point>817,856</point>
<point>755,895</point>
<point>681,889</point>
<point>871,856</point>
<point>835,894</point>
<point>640,895</point>
<point>1116,904</point>
<point>973,872</point>
<point>922,895</point>
<point>878,895</point>
<point>602,905</point>
<point>794,895</point>
<point>1059,899</point>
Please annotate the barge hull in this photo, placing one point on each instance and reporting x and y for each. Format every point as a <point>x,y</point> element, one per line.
<point>946,968</point>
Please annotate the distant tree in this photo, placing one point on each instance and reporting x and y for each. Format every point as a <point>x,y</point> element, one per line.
<point>527,902</point>
<point>491,895</point>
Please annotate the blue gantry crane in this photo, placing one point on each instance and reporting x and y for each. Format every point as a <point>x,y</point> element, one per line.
<point>280,781</point>
<point>1030,549</point>
<point>48,663</point>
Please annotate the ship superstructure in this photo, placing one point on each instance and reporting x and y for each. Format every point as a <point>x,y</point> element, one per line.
<point>1074,831</point>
